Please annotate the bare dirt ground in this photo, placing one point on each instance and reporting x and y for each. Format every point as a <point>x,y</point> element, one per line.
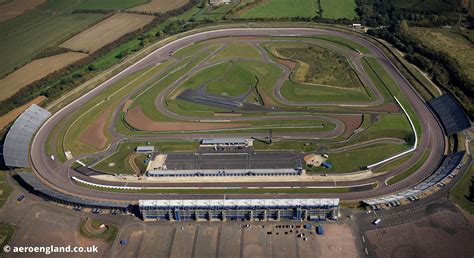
<point>34,71</point>
<point>15,8</point>
<point>12,115</point>
<point>131,160</point>
<point>94,134</point>
<point>442,234</point>
<point>138,120</point>
<point>160,6</point>
<point>43,227</point>
<point>106,31</point>
<point>352,122</point>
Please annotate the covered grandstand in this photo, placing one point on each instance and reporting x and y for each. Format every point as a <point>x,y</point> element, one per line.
<point>445,169</point>
<point>240,209</point>
<point>228,172</point>
<point>15,148</point>
<point>32,183</point>
<point>450,113</point>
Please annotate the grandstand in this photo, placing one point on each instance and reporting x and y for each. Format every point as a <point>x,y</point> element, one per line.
<point>445,169</point>
<point>240,209</point>
<point>15,148</point>
<point>450,113</point>
<point>32,183</point>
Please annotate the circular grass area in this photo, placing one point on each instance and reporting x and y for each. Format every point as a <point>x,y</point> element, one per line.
<point>227,88</point>
<point>96,229</point>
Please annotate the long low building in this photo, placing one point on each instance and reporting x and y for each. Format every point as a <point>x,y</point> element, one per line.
<point>228,172</point>
<point>240,209</point>
<point>445,169</point>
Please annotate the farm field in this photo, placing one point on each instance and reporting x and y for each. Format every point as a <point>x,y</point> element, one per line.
<point>15,8</point>
<point>159,6</point>
<point>106,31</point>
<point>282,8</point>
<point>449,42</point>
<point>12,115</point>
<point>34,71</point>
<point>338,9</point>
<point>25,36</point>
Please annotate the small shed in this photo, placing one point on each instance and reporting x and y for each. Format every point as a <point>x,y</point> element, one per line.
<point>145,149</point>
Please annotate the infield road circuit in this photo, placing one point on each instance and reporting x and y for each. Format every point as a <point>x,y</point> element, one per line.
<point>58,176</point>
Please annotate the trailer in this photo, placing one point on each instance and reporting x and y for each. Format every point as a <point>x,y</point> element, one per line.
<point>320,230</point>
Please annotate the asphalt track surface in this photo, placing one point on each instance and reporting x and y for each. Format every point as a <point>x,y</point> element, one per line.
<point>58,176</point>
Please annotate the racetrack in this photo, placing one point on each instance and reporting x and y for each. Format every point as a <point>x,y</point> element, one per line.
<point>58,175</point>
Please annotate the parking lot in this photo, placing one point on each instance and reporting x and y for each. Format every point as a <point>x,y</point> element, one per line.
<point>236,239</point>
<point>233,160</point>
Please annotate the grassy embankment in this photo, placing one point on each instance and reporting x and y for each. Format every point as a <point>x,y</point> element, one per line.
<point>409,171</point>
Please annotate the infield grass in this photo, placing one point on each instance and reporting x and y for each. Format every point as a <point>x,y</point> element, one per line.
<point>237,50</point>
<point>118,163</point>
<point>401,176</point>
<point>323,66</point>
<point>353,160</point>
<point>314,93</point>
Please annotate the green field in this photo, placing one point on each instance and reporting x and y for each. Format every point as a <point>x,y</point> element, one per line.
<point>282,9</point>
<point>227,88</point>
<point>345,42</point>
<point>117,163</point>
<point>237,50</point>
<point>409,171</point>
<point>302,92</point>
<point>337,9</point>
<point>319,65</point>
<point>353,160</point>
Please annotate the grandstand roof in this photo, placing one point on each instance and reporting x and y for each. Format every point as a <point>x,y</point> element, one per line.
<point>451,114</point>
<point>39,186</point>
<point>15,148</point>
<point>446,168</point>
<point>239,203</point>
